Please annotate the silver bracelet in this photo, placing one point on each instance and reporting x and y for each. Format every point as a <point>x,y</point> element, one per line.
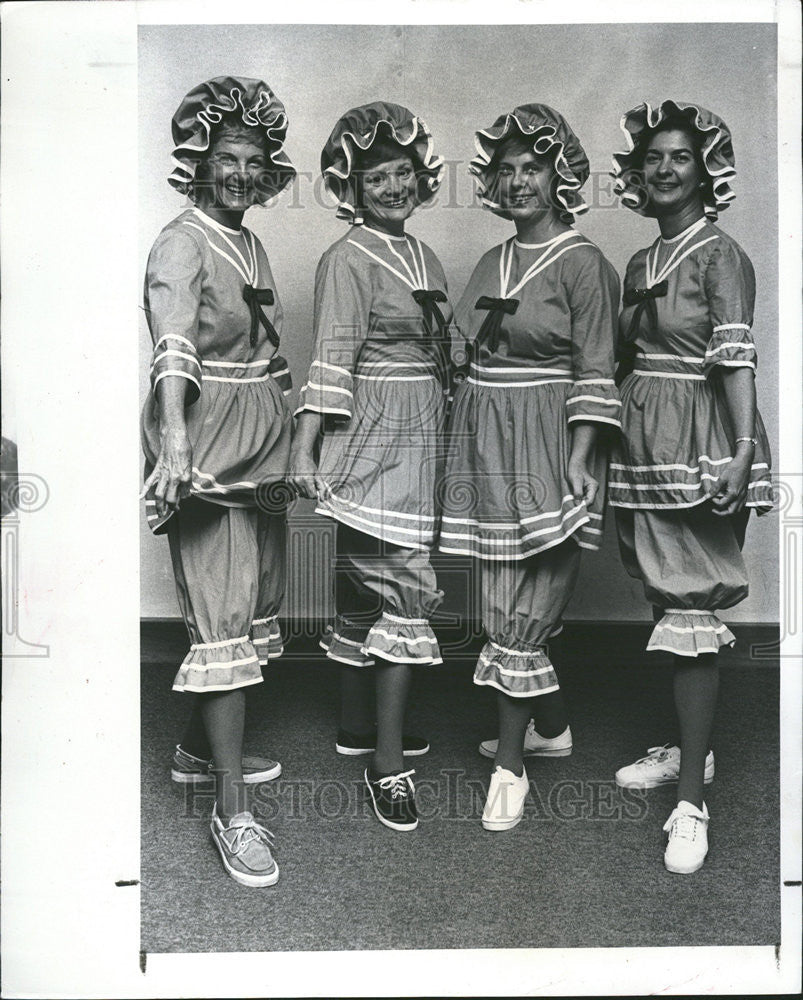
<point>752,441</point>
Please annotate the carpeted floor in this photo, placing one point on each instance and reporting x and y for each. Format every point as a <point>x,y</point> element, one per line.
<point>583,869</point>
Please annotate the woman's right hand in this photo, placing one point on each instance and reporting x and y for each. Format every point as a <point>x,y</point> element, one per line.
<point>172,474</point>
<point>304,477</point>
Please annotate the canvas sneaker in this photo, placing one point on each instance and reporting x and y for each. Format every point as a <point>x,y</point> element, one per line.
<point>504,806</point>
<point>661,766</point>
<point>536,745</point>
<point>687,847</point>
<point>245,849</point>
<point>195,771</point>
<point>393,798</point>
<point>353,745</point>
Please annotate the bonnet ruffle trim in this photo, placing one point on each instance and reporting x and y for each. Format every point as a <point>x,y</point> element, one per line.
<point>356,132</point>
<point>717,155</point>
<point>205,106</point>
<point>551,136</point>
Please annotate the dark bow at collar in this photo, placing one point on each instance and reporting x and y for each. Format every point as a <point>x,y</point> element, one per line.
<point>255,298</point>
<point>492,324</point>
<point>644,301</point>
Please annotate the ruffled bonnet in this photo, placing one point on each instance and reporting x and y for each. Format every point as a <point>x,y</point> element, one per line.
<point>551,136</point>
<point>639,125</point>
<point>203,108</point>
<point>356,132</point>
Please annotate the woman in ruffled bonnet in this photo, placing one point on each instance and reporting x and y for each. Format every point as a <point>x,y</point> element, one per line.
<point>693,458</point>
<point>525,483</point>
<point>374,406</point>
<point>216,435</point>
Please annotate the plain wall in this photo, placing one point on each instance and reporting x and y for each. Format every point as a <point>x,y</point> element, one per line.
<point>458,79</point>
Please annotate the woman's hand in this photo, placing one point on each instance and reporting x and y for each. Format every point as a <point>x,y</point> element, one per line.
<point>172,475</point>
<point>732,486</point>
<point>304,477</point>
<point>583,485</point>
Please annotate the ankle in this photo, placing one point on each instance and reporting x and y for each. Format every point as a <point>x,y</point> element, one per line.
<point>512,764</point>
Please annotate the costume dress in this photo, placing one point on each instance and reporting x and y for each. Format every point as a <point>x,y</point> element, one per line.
<point>377,377</point>
<point>689,315</point>
<point>541,319</point>
<point>215,318</point>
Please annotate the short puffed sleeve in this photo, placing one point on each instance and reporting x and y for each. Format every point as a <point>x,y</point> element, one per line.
<point>173,281</point>
<point>730,287</point>
<point>341,317</point>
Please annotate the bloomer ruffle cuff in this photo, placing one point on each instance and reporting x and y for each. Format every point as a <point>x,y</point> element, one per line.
<point>280,371</point>
<point>518,673</point>
<point>267,638</point>
<point>731,346</point>
<point>690,633</point>
<point>328,390</point>
<point>595,400</point>
<point>342,643</point>
<point>219,666</point>
<point>175,355</point>
<point>403,640</point>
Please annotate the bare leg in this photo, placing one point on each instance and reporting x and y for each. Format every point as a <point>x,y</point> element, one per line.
<point>224,718</point>
<point>696,687</point>
<point>392,688</point>
<point>357,700</point>
<point>514,714</point>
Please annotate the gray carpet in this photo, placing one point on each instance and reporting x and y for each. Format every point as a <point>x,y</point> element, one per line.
<point>583,869</point>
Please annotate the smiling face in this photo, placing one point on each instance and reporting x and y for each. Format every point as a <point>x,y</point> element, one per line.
<point>389,194</point>
<point>229,178</point>
<point>524,184</point>
<point>672,172</point>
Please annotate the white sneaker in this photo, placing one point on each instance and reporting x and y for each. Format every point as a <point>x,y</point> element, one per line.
<point>661,766</point>
<point>504,806</point>
<point>536,745</point>
<point>688,838</point>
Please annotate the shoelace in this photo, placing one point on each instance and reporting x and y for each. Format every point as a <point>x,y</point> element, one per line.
<point>397,785</point>
<point>655,755</point>
<point>246,832</point>
<point>683,825</point>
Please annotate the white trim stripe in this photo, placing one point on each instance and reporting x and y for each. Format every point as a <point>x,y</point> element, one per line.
<point>174,336</point>
<point>731,326</point>
<point>385,513</point>
<point>400,639</point>
<point>516,694</point>
<point>221,665</point>
<point>334,368</point>
<point>593,399</point>
<point>676,375</point>
<point>236,381</point>
<point>240,364</point>
<point>179,373</point>
<point>516,385</point>
<point>730,343</point>
<point>670,357</point>
<point>516,652</point>
<point>176,354</point>
<point>220,644</point>
<point>328,388</point>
